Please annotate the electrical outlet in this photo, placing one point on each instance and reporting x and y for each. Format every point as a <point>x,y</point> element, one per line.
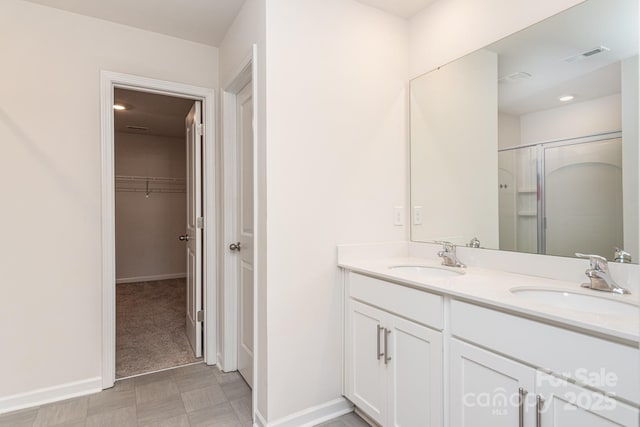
<point>398,215</point>
<point>417,215</point>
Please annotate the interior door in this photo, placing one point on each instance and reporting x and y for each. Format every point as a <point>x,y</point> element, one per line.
<point>193,236</point>
<point>245,232</point>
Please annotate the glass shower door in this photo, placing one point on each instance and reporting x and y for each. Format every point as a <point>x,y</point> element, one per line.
<point>583,198</point>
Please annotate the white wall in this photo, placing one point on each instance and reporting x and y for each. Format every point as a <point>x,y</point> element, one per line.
<point>508,130</point>
<point>454,144</point>
<point>572,120</point>
<point>248,29</point>
<point>50,310</point>
<point>147,228</point>
<point>449,29</point>
<point>336,167</point>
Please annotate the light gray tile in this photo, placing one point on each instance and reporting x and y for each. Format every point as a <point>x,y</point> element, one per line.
<point>122,417</point>
<point>151,378</point>
<point>179,421</point>
<point>195,380</point>
<point>202,398</point>
<point>114,398</point>
<point>243,408</point>
<point>22,418</point>
<point>221,415</point>
<point>192,369</point>
<point>157,390</point>
<point>236,390</point>
<point>65,412</point>
<point>162,409</point>
<point>227,377</point>
<point>349,420</point>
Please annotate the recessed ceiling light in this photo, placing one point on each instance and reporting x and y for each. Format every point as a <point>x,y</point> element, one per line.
<point>119,107</point>
<point>566,98</point>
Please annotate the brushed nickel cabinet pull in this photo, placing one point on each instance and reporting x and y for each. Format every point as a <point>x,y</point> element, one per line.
<point>378,353</point>
<point>387,358</point>
<point>523,394</point>
<point>539,404</point>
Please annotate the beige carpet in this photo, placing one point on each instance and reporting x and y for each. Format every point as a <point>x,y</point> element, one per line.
<point>150,327</point>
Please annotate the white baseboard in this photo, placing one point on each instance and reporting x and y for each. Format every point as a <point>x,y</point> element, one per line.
<point>311,416</point>
<point>50,394</point>
<point>150,278</point>
<point>260,422</point>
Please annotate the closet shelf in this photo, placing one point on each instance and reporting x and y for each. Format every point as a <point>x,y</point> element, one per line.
<point>149,184</point>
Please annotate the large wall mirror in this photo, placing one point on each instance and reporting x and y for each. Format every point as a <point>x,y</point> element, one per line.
<point>531,144</point>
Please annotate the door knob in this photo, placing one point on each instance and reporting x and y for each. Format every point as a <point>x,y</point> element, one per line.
<point>184,238</point>
<point>235,246</point>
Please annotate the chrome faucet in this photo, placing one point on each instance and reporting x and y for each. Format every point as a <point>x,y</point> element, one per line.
<point>599,275</point>
<point>620,255</point>
<point>448,255</point>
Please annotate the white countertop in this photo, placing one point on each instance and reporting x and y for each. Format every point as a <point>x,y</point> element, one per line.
<point>492,287</point>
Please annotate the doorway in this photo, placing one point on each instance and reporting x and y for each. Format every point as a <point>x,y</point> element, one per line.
<point>157,301</point>
<point>186,294</point>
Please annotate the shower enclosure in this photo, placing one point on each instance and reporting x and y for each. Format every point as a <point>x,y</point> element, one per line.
<point>562,197</point>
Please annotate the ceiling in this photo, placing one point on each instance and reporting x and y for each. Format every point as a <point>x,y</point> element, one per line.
<point>162,115</point>
<point>541,51</point>
<point>202,21</point>
<point>402,8</point>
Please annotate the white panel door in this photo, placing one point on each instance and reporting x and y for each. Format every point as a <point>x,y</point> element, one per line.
<point>245,232</point>
<point>367,380</point>
<point>414,354</point>
<point>568,405</point>
<point>193,236</point>
<point>485,389</point>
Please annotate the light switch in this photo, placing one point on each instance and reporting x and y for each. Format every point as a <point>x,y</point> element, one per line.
<point>398,215</point>
<point>417,215</point>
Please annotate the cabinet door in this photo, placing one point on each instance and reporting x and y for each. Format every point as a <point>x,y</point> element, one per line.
<point>414,357</point>
<point>366,385</point>
<point>568,405</point>
<point>485,389</point>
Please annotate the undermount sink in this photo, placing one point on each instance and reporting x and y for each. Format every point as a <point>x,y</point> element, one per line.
<point>426,272</point>
<point>604,304</point>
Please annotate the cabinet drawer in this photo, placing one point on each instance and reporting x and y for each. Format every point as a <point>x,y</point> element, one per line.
<point>419,306</point>
<point>604,365</point>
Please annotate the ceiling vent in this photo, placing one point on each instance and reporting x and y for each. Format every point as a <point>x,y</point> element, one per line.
<point>138,128</point>
<point>515,77</point>
<point>586,54</point>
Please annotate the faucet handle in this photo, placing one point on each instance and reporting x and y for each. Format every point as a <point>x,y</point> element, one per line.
<point>596,262</point>
<point>621,255</point>
<point>447,246</point>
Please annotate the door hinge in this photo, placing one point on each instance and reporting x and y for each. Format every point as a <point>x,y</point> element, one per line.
<point>200,316</point>
<point>200,222</point>
<point>201,129</point>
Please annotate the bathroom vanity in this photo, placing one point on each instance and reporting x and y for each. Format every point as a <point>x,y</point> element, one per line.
<point>427,345</point>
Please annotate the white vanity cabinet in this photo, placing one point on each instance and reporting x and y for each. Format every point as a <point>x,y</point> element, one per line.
<point>393,364</point>
<point>489,390</point>
<point>502,368</point>
<point>481,380</point>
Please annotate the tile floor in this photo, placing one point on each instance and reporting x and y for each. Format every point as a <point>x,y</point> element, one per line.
<point>150,327</point>
<point>190,396</point>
